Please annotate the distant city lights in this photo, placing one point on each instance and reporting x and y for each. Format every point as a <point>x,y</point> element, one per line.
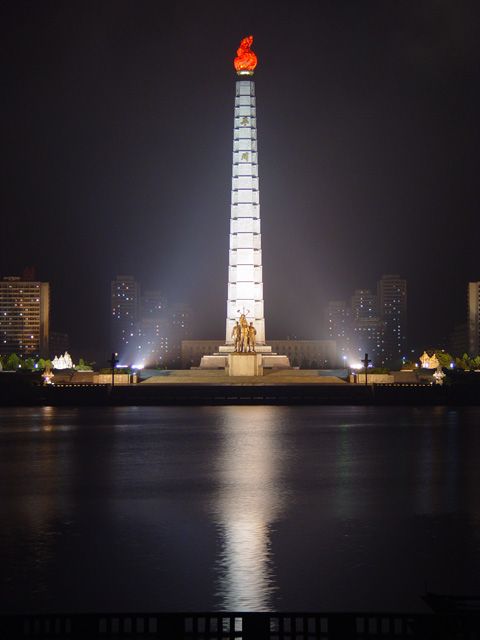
<point>138,365</point>
<point>358,365</point>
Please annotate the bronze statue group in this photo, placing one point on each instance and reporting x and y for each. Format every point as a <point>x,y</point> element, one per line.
<point>243,335</point>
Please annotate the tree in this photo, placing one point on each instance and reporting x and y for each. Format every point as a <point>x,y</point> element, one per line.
<point>467,363</point>
<point>29,364</point>
<point>41,364</point>
<point>12,363</point>
<point>83,366</point>
<point>444,359</point>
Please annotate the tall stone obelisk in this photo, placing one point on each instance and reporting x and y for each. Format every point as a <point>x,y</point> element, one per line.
<point>245,280</point>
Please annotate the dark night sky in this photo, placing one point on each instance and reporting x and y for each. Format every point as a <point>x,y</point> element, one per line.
<point>116,133</point>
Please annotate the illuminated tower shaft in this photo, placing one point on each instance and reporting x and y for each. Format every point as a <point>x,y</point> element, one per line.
<point>245,281</point>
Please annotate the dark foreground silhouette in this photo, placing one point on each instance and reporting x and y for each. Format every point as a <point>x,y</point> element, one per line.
<point>245,626</point>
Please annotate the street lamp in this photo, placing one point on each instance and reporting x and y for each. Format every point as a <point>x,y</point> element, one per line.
<point>365,363</point>
<point>113,363</point>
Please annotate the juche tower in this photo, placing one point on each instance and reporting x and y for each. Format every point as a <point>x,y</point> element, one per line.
<point>245,278</point>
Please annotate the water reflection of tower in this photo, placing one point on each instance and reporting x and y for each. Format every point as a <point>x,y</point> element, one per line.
<point>250,500</point>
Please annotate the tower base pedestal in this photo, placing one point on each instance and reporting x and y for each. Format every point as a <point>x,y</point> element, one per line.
<point>245,364</point>
<point>221,359</point>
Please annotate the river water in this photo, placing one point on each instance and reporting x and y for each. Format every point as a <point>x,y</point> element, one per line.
<point>237,508</point>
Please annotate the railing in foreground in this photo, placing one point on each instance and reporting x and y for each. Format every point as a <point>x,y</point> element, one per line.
<point>242,626</point>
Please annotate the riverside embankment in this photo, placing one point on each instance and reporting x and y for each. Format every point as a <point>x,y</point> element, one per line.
<point>237,394</point>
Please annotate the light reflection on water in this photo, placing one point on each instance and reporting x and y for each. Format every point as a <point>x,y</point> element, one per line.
<point>237,508</point>
<point>250,499</point>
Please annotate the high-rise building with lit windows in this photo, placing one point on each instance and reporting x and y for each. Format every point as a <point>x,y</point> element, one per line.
<point>180,318</point>
<point>368,336</point>
<point>375,324</point>
<point>146,330</point>
<point>392,307</point>
<point>152,337</point>
<point>153,304</point>
<point>24,317</point>
<point>364,305</point>
<point>125,300</point>
<point>367,328</point>
<point>149,345</point>
<point>474,318</point>
<point>337,324</point>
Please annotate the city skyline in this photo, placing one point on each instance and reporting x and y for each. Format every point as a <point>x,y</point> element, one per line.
<point>148,330</point>
<point>373,323</point>
<point>145,329</point>
<point>116,162</point>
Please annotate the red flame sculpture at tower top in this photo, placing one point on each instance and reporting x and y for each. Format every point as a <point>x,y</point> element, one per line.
<point>246,60</point>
